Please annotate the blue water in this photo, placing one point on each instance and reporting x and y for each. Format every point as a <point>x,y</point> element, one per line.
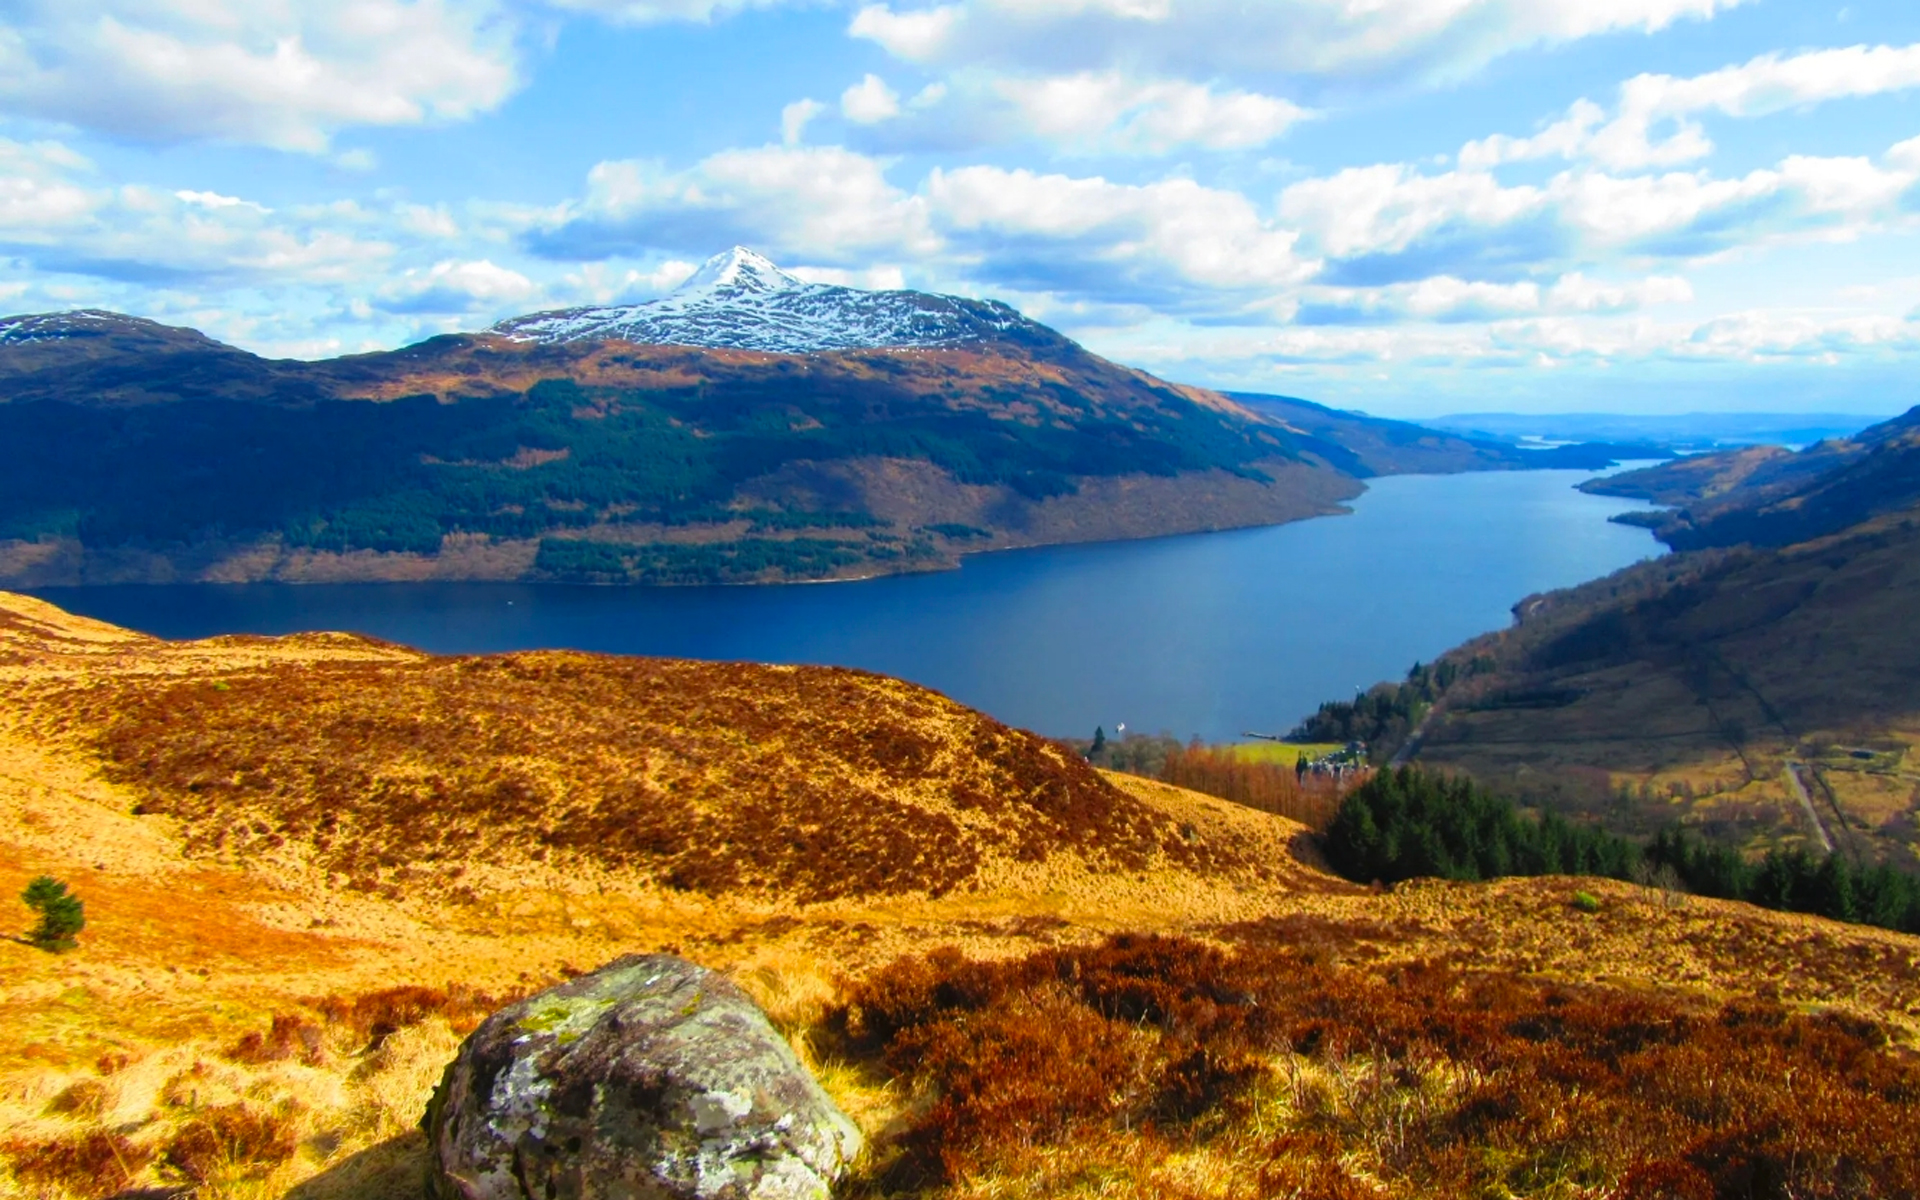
<point>1211,634</point>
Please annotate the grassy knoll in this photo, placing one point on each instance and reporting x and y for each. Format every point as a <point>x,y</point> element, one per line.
<point>1284,754</point>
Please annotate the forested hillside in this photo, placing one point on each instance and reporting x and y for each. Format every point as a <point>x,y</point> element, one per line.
<point>132,451</point>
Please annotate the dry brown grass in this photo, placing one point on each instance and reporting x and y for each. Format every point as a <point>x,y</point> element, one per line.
<point>811,783</point>
<point>1269,787</point>
<point>1119,1062</point>
<point>230,1000</point>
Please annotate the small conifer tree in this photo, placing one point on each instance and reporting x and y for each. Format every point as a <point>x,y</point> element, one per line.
<point>62,916</point>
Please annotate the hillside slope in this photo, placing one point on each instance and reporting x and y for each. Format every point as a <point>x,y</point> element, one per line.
<point>1366,446</point>
<point>309,863</point>
<point>385,770</point>
<point>1768,694</point>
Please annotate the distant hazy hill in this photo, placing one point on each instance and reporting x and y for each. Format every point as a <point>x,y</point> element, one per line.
<point>1679,430</point>
<point>749,427</point>
<point>1771,497</point>
<point>1368,446</point>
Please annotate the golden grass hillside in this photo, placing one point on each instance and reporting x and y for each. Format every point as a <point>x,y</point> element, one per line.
<point>311,863</point>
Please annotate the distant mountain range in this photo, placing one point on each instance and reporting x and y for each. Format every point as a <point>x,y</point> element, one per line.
<point>748,427</point>
<point>1684,431</point>
<point>1769,496</point>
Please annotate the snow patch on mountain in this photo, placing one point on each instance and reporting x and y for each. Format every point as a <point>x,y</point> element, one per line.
<point>80,322</point>
<point>740,300</point>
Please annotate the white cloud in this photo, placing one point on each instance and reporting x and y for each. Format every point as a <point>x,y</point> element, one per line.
<point>216,200</point>
<point>880,278</point>
<point>604,283</point>
<point>1446,298</point>
<point>915,36</point>
<point>457,287</point>
<point>1430,39</point>
<point>1574,292</point>
<point>1449,221</point>
<point>281,73</point>
<point>645,12</point>
<point>1171,233</point>
<point>870,101</point>
<point>1106,111</point>
<point>1386,208</point>
<point>795,117</point>
<point>823,203</point>
<point>36,189</point>
<point>57,218</point>
<point>1654,123</point>
<point>1762,335</point>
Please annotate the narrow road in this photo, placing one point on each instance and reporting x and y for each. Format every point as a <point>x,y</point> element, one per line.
<point>1411,747</point>
<point>1800,790</point>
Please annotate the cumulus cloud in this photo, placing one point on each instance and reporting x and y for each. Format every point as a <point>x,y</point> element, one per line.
<point>608,283</point>
<point>825,204</point>
<point>280,73</point>
<point>456,287</point>
<point>1166,241</point>
<point>1448,299</point>
<point>56,217</point>
<point>1043,234</point>
<point>1107,111</point>
<point>1654,123</point>
<point>1430,39</point>
<point>870,101</point>
<point>1390,223</point>
<point>795,118</point>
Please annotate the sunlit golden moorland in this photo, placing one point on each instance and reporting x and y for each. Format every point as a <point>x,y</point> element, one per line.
<point>311,863</point>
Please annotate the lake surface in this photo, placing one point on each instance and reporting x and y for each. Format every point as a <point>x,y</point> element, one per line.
<point>1210,634</point>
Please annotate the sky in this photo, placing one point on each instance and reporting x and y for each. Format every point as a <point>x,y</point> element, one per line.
<point>1410,207</point>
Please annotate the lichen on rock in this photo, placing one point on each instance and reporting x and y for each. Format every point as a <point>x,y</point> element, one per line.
<point>651,1077</point>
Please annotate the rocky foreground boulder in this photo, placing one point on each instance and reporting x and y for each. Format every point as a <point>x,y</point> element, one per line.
<point>649,1078</point>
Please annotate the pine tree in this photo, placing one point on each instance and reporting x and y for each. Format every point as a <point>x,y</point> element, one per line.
<point>62,916</point>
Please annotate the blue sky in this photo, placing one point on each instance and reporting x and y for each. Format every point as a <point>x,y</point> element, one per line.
<point>1406,206</point>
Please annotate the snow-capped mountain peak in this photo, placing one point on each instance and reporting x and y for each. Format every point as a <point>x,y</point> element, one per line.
<point>740,300</point>
<point>740,269</point>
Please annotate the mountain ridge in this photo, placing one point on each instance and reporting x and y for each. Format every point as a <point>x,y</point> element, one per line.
<point>556,447</point>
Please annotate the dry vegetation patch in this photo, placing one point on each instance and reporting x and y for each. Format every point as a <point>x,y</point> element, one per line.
<point>266,1013</point>
<point>1122,1063</point>
<point>712,778</point>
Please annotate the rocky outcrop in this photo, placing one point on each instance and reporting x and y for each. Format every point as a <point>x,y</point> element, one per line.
<point>649,1078</point>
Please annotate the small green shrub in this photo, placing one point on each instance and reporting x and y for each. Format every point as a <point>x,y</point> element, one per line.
<point>1586,902</point>
<point>62,916</point>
